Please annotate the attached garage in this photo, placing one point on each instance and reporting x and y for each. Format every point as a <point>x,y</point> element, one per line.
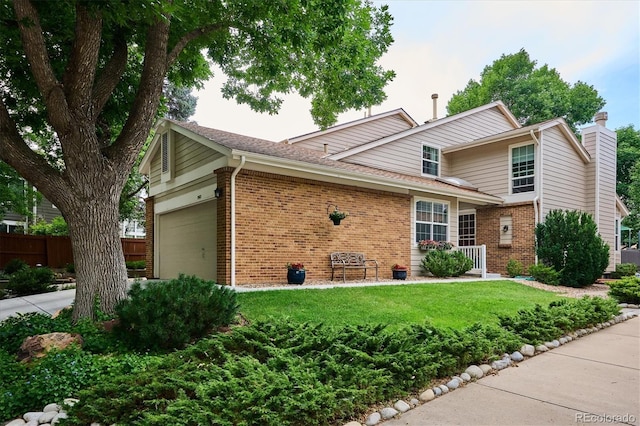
<point>187,242</point>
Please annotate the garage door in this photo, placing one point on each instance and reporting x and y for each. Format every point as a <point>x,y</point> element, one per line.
<point>187,242</point>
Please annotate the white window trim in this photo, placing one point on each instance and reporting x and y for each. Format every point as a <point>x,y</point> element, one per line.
<point>510,171</point>
<point>422,159</point>
<point>475,223</point>
<point>415,216</point>
<point>166,175</point>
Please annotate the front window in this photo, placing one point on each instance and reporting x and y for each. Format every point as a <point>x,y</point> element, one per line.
<point>430,160</point>
<point>522,169</point>
<point>467,230</point>
<point>432,221</point>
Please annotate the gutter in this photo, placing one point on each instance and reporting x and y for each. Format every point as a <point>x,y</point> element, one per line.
<point>536,212</point>
<point>233,220</point>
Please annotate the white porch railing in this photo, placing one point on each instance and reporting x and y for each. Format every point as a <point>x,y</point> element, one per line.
<point>479,256</point>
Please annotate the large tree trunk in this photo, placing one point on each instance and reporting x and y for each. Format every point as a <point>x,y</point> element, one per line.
<point>98,258</point>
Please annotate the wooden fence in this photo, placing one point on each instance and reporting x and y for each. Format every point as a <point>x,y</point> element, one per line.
<point>54,252</point>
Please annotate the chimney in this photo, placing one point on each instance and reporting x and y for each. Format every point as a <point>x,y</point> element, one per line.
<point>435,106</point>
<point>601,118</point>
<point>326,148</point>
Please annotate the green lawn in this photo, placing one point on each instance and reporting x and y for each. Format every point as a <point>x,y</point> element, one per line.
<point>452,304</point>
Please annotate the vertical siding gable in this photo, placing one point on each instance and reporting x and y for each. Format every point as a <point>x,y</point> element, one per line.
<point>357,135</point>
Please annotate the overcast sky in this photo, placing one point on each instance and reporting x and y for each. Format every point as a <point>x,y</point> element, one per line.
<point>440,45</point>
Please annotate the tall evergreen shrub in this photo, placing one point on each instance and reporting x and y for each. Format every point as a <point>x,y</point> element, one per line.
<point>569,242</point>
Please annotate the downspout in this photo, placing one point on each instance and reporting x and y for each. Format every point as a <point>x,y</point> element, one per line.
<point>536,212</point>
<point>233,219</point>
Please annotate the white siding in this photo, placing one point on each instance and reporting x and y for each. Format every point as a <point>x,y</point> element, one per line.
<point>405,155</point>
<point>356,135</point>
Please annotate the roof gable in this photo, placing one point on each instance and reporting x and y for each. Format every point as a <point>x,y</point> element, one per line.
<point>510,118</point>
<point>399,112</point>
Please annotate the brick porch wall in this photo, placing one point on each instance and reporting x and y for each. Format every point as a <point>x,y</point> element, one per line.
<point>149,227</point>
<point>522,247</point>
<point>283,219</point>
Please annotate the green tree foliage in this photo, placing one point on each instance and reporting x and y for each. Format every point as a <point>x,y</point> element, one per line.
<point>87,79</point>
<point>56,227</point>
<point>15,195</point>
<point>532,94</point>
<point>628,175</point>
<point>569,243</point>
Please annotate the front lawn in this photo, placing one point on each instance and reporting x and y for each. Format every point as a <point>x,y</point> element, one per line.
<point>319,357</point>
<point>453,304</point>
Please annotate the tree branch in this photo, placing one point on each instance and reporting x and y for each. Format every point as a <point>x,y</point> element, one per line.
<point>81,69</point>
<point>15,152</point>
<point>110,75</point>
<point>145,105</point>
<point>36,52</point>
<point>138,189</point>
<point>188,37</point>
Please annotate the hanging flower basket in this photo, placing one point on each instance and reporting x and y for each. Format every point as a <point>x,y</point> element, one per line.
<point>336,216</point>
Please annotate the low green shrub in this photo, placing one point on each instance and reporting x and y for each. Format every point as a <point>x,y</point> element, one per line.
<point>539,324</point>
<point>544,274</point>
<point>14,265</point>
<point>514,268</point>
<point>31,281</point>
<point>59,375</point>
<point>445,263</point>
<point>14,329</point>
<point>169,314</point>
<point>136,264</point>
<point>281,373</point>
<point>70,268</point>
<point>624,270</point>
<point>626,290</point>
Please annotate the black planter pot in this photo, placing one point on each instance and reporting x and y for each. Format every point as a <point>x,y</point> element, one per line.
<point>336,221</point>
<point>296,276</point>
<point>399,275</point>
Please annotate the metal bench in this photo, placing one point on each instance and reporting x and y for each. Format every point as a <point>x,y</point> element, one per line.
<point>349,260</point>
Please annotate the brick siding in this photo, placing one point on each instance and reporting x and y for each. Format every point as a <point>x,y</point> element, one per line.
<point>522,247</point>
<point>283,219</point>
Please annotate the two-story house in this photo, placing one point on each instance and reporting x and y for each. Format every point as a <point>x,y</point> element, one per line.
<point>236,209</point>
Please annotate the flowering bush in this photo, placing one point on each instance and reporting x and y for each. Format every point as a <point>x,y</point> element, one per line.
<point>295,266</point>
<point>398,267</point>
<point>434,245</point>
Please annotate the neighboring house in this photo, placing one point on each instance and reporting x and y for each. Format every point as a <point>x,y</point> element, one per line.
<point>236,209</point>
<point>14,223</point>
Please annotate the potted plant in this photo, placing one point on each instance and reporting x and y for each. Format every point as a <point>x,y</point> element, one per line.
<point>336,216</point>
<point>296,273</point>
<point>399,272</point>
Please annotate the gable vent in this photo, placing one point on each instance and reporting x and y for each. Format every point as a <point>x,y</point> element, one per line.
<point>165,153</point>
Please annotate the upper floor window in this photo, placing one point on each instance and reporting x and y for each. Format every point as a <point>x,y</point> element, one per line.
<point>430,160</point>
<point>522,169</point>
<point>432,221</point>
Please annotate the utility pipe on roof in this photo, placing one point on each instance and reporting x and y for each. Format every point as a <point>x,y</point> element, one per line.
<point>233,219</point>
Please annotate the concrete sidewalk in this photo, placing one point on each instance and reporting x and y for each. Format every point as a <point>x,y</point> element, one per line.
<point>46,303</point>
<point>594,379</point>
